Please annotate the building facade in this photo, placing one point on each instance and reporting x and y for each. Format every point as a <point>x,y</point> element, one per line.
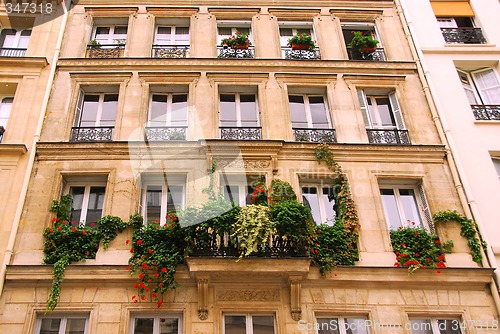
<point>148,107</point>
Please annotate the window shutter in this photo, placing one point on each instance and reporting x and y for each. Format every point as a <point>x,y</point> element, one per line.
<point>425,208</point>
<point>364,109</point>
<point>79,108</point>
<point>396,109</point>
<point>488,85</point>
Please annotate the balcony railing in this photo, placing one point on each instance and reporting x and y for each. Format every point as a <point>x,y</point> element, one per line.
<point>2,131</point>
<point>12,52</point>
<point>105,51</point>
<point>392,136</point>
<point>288,53</point>
<point>463,35</point>
<point>227,52</point>
<point>238,133</point>
<point>169,51</point>
<point>377,55</point>
<point>314,135</point>
<point>486,112</point>
<point>97,133</point>
<point>165,133</point>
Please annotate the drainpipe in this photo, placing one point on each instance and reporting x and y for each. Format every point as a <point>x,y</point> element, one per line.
<point>456,168</point>
<point>15,226</point>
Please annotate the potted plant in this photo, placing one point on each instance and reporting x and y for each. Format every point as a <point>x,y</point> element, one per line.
<point>302,42</point>
<point>363,43</point>
<point>237,41</point>
<point>95,43</point>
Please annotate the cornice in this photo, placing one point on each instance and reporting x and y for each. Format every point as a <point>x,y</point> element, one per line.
<point>13,149</point>
<point>18,63</point>
<point>468,49</point>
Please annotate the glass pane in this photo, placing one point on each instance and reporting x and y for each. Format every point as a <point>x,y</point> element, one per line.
<point>175,197</point>
<point>89,112</point>
<point>179,110</point>
<point>235,324</point>
<point>50,326</point>
<point>328,326</point>
<point>449,327</point>
<point>469,90</point>
<point>327,203</point>
<point>5,108</point>
<point>164,30</point>
<point>8,36</point>
<point>420,326</point>
<point>355,326</point>
<point>143,326</point>
<point>169,326</point>
<point>304,31</point>
<point>263,324</point>
<point>318,112</point>
<point>96,201</point>
<point>223,31</point>
<point>385,112</point>
<point>297,111</point>
<point>288,32</point>
<point>77,195</point>
<point>390,208</point>
<point>489,87</point>
<point>231,193</point>
<point>496,163</point>
<point>410,207</point>
<point>153,203</point>
<point>243,31</point>
<point>109,107</point>
<point>120,32</point>
<point>249,190</point>
<point>182,35</point>
<point>75,326</point>
<point>158,112</point>
<point>228,110</point>
<point>248,109</point>
<point>310,199</point>
<point>102,34</point>
<point>24,39</point>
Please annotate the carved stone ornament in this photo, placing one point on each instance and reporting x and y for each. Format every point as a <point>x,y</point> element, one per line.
<point>202,299</point>
<point>247,164</point>
<point>249,295</point>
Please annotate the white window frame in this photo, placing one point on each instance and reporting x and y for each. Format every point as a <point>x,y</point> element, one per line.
<point>86,195</point>
<point>5,108</point>
<point>341,323</point>
<point>156,323</point>
<point>248,321</point>
<point>319,193</point>
<point>172,180</point>
<point>395,109</point>
<point>81,102</point>
<point>18,36</point>
<point>173,40</point>
<point>295,26</point>
<point>64,319</point>
<point>307,108</point>
<point>241,181</point>
<point>238,107</point>
<point>472,86</point>
<point>234,26</point>
<point>168,112</point>
<point>434,323</point>
<point>111,39</point>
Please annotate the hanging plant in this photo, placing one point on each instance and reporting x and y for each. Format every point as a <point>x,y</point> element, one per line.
<point>281,191</point>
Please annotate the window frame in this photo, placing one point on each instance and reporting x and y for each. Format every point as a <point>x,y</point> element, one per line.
<point>307,109</point>
<point>361,26</point>
<point>234,26</point>
<point>81,103</point>
<point>237,102</point>
<point>156,317</point>
<point>168,112</point>
<point>18,36</point>
<point>248,324</point>
<point>320,187</point>
<point>173,40</point>
<point>111,35</point>
<point>434,323</point>
<point>395,108</point>
<point>98,182</point>
<point>496,165</point>
<point>340,322</point>
<point>295,26</point>
<point>472,79</point>
<point>237,180</point>
<point>9,111</point>
<point>64,319</point>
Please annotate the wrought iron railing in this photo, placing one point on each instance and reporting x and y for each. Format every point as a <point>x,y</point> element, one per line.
<point>227,52</point>
<point>2,131</point>
<point>206,244</point>
<point>384,136</point>
<point>463,35</point>
<point>169,51</point>
<point>289,53</point>
<point>105,51</point>
<point>97,133</point>
<point>239,133</point>
<point>165,133</point>
<point>12,52</point>
<point>377,55</point>
<point>486,112</point>
<point>314,135</point>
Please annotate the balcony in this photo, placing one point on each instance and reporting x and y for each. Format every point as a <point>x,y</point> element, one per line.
<point>314,135</point>
<point>2,131</point>
<point>169,51</point>
<point>12,52</point>
<point>392,136</point>
<point>377,55</point>
<point>238,133</point>
<point>90,134</point>
<point>105,51</point>
<point>227,52</point>
<point>165,133</point>
<point>463,35</point>
<point>486,112</point>
<point>288,53</point>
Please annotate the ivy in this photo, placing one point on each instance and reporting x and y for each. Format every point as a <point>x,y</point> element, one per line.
<point>281,191</point>
<point>253,226</point>
<point>293,219</point>
<point>468,230</point>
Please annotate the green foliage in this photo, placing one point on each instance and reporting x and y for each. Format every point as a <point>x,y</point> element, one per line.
<point>237,39</point>
<point>281,191</point>
<point>293,219</point>
<point>62,208</point>
<point>416,248</point>
<point>359,41</point>
<point>468,230</point>
<point>58,275</point>
<point>448,246</point>
<point>302,39</point>
<point>252,227</point>
<point>108,228</point>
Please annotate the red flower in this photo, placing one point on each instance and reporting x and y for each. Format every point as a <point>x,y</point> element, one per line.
<point>416,234</point>
<point>51,230</point>
<point>403,245</point>
<point>83,232</point>
<point>438,242</point>
<point>54,219</point>
<point>441,257</point>
<point>316,251</point>
<point>150,251</point>
<point>153,294</point>
<point>59,228</point>
<point>142,285</point>
<point>397,264</point>
<point>139,242</point>
<point>160,284</point>
<point>143,297</point>
<point>159,303</point>
<point>88,253</point>
<point>127,268</point>
<point>127,242</point>
<point>163,269</point>
<point>92,224</point>
<point>73,229</point>
<point>438,271</point>
<point>64,222</point>
<point>136,285</point>
<point>156,275</point>
<point>73,222</point>
<point>134,297</point>
<point>141,275</point>
<point>136,301</point>
<point>417,255</point>
<point>131,250</point>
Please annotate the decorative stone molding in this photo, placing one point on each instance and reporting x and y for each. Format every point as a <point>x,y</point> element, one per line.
<point>295,290</point>
<point>203,299</point>
<point>269,295</point>
<point>246,164</point>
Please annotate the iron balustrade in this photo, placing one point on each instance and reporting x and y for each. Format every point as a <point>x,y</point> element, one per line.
<point>169,51</point>
<point>386,136</point>
<point>463,35</point>
<point>377,55</point>
<point>486,112</point>
<point>241,133</point>
<point>12,52</point>
<point>165,133</point>
<point>314,135</point>
<point>227,52</point>
<point>2,131</point>
<point>96,133</point>
<point>289,53</point>
<point>105,50</point>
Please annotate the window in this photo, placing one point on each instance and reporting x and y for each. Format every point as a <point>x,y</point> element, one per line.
<point>68,324</point>
<point>12,40</point>
<point>156,324</point>
<point>366,29</point>
<point>249,324</point>
<point>169,109</point>
<point>161,196</point>
<point>405,205</point>
<point>321,200</point>
<point>496,163</point>
<point>435,326</point>
<point>460,29</point>
<point>340,325</point>
<point>172,35</point>
<point>226,30</point>
<point>88,201</point>
<point>455,22</point>
<point>308,111</point>
<point>288,31</point>
<point>237,188</point>
<point>482,87</point>
<point>239,110</point>
<point>5,107</point>
<point>112,34</point>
